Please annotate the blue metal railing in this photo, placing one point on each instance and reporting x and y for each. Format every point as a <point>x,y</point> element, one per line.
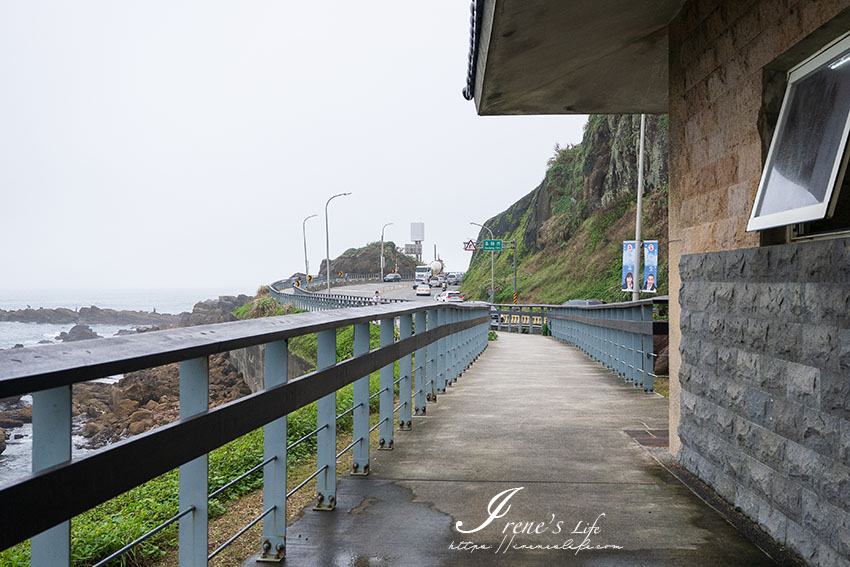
<point>313,301</point>
<point>621,336</point>
<point>436,344</point>
<point>317,283</point>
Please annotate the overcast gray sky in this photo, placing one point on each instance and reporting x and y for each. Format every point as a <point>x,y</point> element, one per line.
<point>176,144</point>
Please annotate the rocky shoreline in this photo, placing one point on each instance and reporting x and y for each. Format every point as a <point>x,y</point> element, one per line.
<point>90,316</point>
<point>105,413</point>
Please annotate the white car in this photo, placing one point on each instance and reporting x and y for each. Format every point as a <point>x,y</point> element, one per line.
<point>423,289</point>
<point>451,297</point>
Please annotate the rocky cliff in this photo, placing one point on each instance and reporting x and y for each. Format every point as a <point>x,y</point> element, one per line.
<point>367,260</point>
<point>569,228</point>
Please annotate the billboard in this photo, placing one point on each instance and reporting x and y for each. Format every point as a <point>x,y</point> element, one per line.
<point>629,265</point>
<point>417,231</point>
<point>413,249</point>
<point>650,266</point>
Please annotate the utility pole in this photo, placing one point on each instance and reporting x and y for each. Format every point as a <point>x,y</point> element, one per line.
<point>513,244</point>
<point>639,213</point>
<point>492,279</point>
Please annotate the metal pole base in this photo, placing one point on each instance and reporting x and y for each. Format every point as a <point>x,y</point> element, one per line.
<point>321,506</point>
<point>268,557</point>
<point>357,471</point>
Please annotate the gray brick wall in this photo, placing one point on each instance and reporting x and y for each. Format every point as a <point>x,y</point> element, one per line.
<point>765,381</point>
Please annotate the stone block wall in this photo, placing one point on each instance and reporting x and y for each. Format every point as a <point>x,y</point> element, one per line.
<point>720,52</point>
<point>765,380</point>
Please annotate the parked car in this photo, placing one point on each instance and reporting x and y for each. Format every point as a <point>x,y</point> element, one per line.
<point>392,278</point>
<point>451,297</point>
<point>423,289</point>
<point>583,302</point>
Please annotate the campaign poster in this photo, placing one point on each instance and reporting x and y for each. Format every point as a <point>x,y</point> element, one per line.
<point>650,266</point>
<point>629,265</point>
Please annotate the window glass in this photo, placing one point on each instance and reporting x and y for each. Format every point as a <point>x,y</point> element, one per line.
<point>804,160</point>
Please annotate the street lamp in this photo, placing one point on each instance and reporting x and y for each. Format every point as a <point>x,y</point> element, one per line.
<point>382,249</point>
<point>304,233</point>
<point>328,238</point>
<point>492,286</point>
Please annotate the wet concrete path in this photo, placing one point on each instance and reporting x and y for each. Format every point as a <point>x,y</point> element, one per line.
<point>554,434</point>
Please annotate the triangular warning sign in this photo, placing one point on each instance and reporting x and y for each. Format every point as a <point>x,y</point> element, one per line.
<point>469,246</point>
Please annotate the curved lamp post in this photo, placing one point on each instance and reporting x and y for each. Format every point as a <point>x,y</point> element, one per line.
<point>492,287</point>
<point>382,249</point>
<point>304,233</point>
<point>328,238</point>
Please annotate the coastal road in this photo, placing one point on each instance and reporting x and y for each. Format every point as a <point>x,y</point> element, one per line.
<point>401,290</point>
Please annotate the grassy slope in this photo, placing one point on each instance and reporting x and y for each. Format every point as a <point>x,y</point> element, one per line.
<point>581,255</point>
<point>587,265</point>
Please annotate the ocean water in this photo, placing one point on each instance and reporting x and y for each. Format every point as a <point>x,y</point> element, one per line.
<point>165,301</point>
<point>16,460</point>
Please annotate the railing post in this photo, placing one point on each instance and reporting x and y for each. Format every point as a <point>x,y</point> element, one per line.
<point>420,401</point>
<point>360,451</point>
<point>386,397</point>
<point>441,353</point>
<point>326,424</point>
<point>274,447</point>
<point>194,475</point>
<point>51,432</point>
<point>451,342</point>
<point>635,342</point>
<point>405,369</point>
<point>433,356</point>
<point>648,358</point>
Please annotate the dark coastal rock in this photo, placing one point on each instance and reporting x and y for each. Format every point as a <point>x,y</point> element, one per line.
<point>78,332</point>
<point>136,331</point>
<point>2,440</point>
<point>90,315</point>
<point>214,310</point>
<point>15,417</point>
<point>59,316</point>
<point>10,402</point>
<point>146,399</point>
<point>45,342</point>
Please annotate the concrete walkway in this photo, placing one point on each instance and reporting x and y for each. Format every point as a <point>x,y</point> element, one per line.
<point>540,417</point>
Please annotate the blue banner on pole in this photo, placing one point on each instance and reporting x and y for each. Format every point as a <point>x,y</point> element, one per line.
<point>629,265</point>
<point>650,266</point>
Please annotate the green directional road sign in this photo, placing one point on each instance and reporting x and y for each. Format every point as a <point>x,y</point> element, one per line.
<point>492,245</point>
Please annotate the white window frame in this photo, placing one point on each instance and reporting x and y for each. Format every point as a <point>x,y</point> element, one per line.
<point>819,210</point>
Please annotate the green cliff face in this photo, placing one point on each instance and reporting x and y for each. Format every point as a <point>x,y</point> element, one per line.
<point>570,228</point>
